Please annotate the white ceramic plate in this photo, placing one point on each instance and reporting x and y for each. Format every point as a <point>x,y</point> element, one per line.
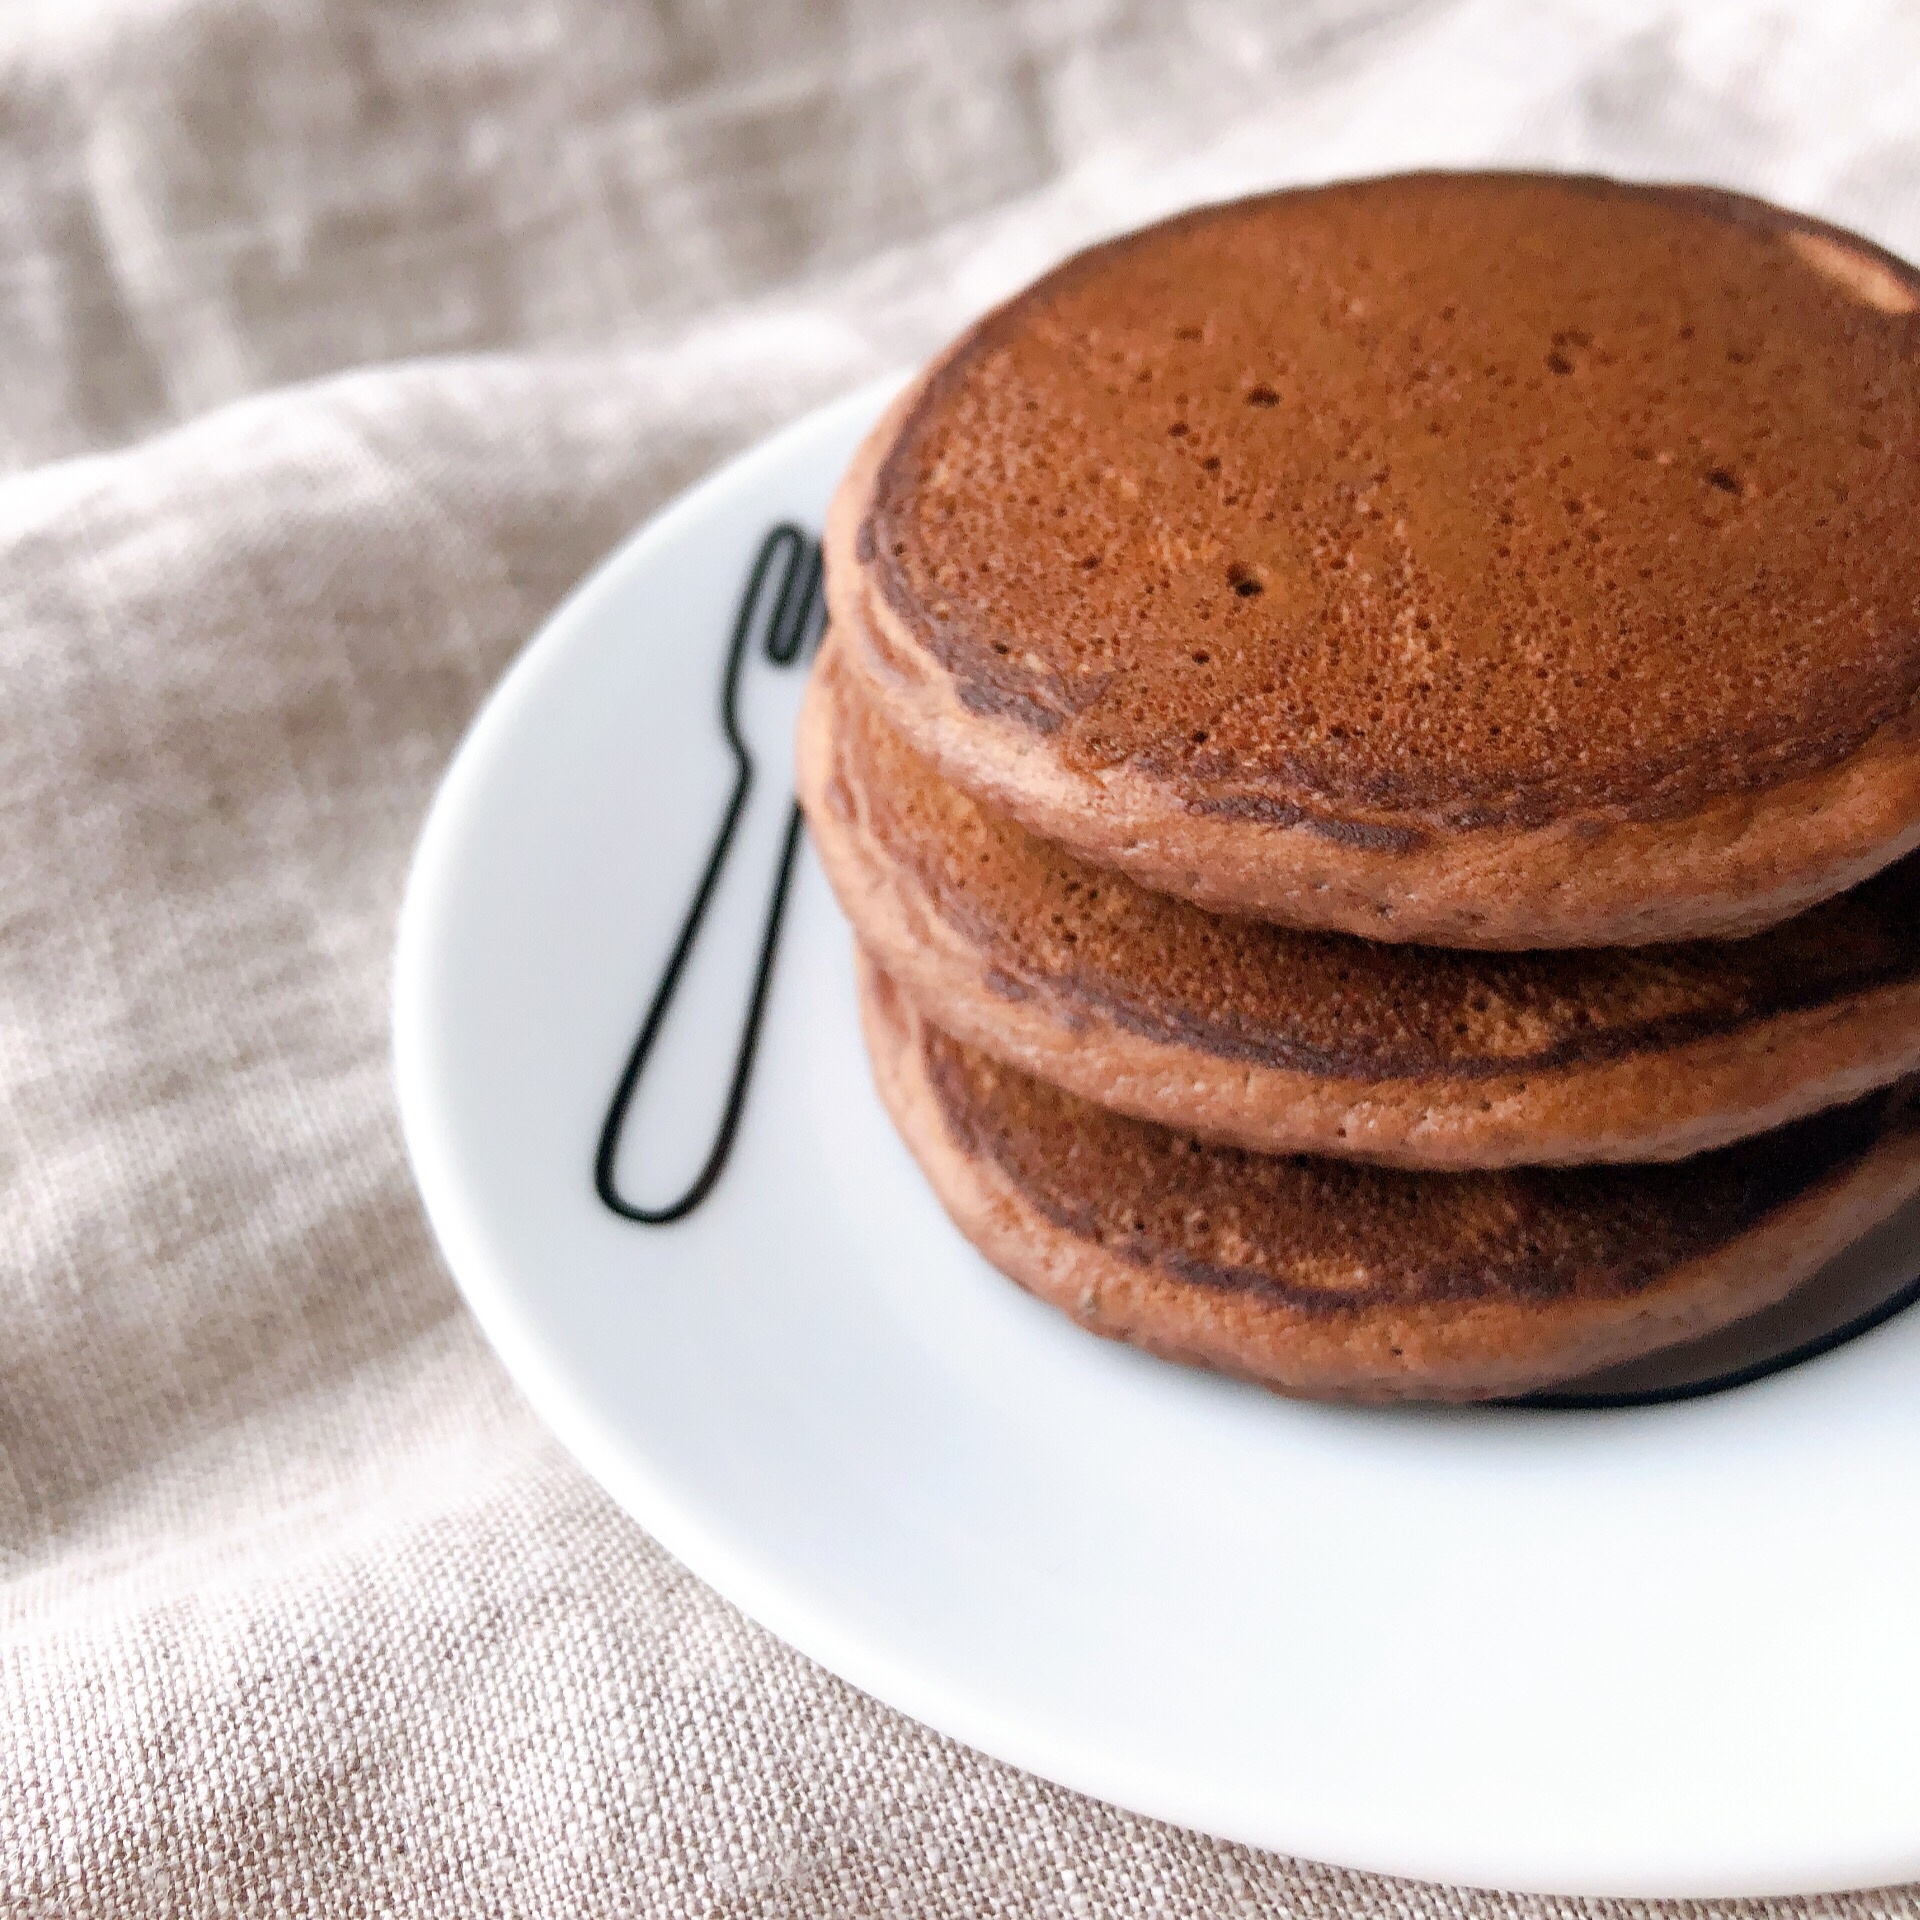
<point>1661,1651</point>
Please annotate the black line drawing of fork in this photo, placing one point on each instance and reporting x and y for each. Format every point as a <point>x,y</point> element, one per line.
<point>783,590</point>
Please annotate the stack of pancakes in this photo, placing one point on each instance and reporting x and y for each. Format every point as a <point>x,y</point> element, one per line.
<point>1370,739</point>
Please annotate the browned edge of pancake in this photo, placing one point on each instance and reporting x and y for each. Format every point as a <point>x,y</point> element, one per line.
<point>1662,1098</point>
<point>1474,1347</point>
<point>1738,864</point>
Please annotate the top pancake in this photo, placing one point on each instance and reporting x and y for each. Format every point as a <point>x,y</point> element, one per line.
<point>1491,560</point>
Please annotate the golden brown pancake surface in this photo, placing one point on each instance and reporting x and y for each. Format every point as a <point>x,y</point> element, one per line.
<point>1288,1040</point>
<point>1500,560</point>
<point>1338,1279</point>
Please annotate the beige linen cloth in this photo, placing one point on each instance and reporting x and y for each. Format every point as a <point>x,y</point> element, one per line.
<point>337,339</point>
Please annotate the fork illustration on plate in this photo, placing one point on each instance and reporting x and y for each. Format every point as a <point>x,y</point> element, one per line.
<point>776,625</point>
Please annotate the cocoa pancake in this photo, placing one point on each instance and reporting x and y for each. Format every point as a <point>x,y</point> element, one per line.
<point>1286,1040</point>
<point>1337,1280</point>
<point>1488,560</point>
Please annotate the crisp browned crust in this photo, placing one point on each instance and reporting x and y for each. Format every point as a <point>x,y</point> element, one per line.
<point>1333,1280</point>
<point>1289,1041</point>
<point>1147,647</point>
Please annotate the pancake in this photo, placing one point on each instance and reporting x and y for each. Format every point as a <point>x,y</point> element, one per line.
<point>1287,1041</point>
<point>1331,1279</point>
<point>1493,561</point>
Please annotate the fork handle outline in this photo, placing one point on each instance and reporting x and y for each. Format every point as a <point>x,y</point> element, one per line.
<point>787,632</point>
